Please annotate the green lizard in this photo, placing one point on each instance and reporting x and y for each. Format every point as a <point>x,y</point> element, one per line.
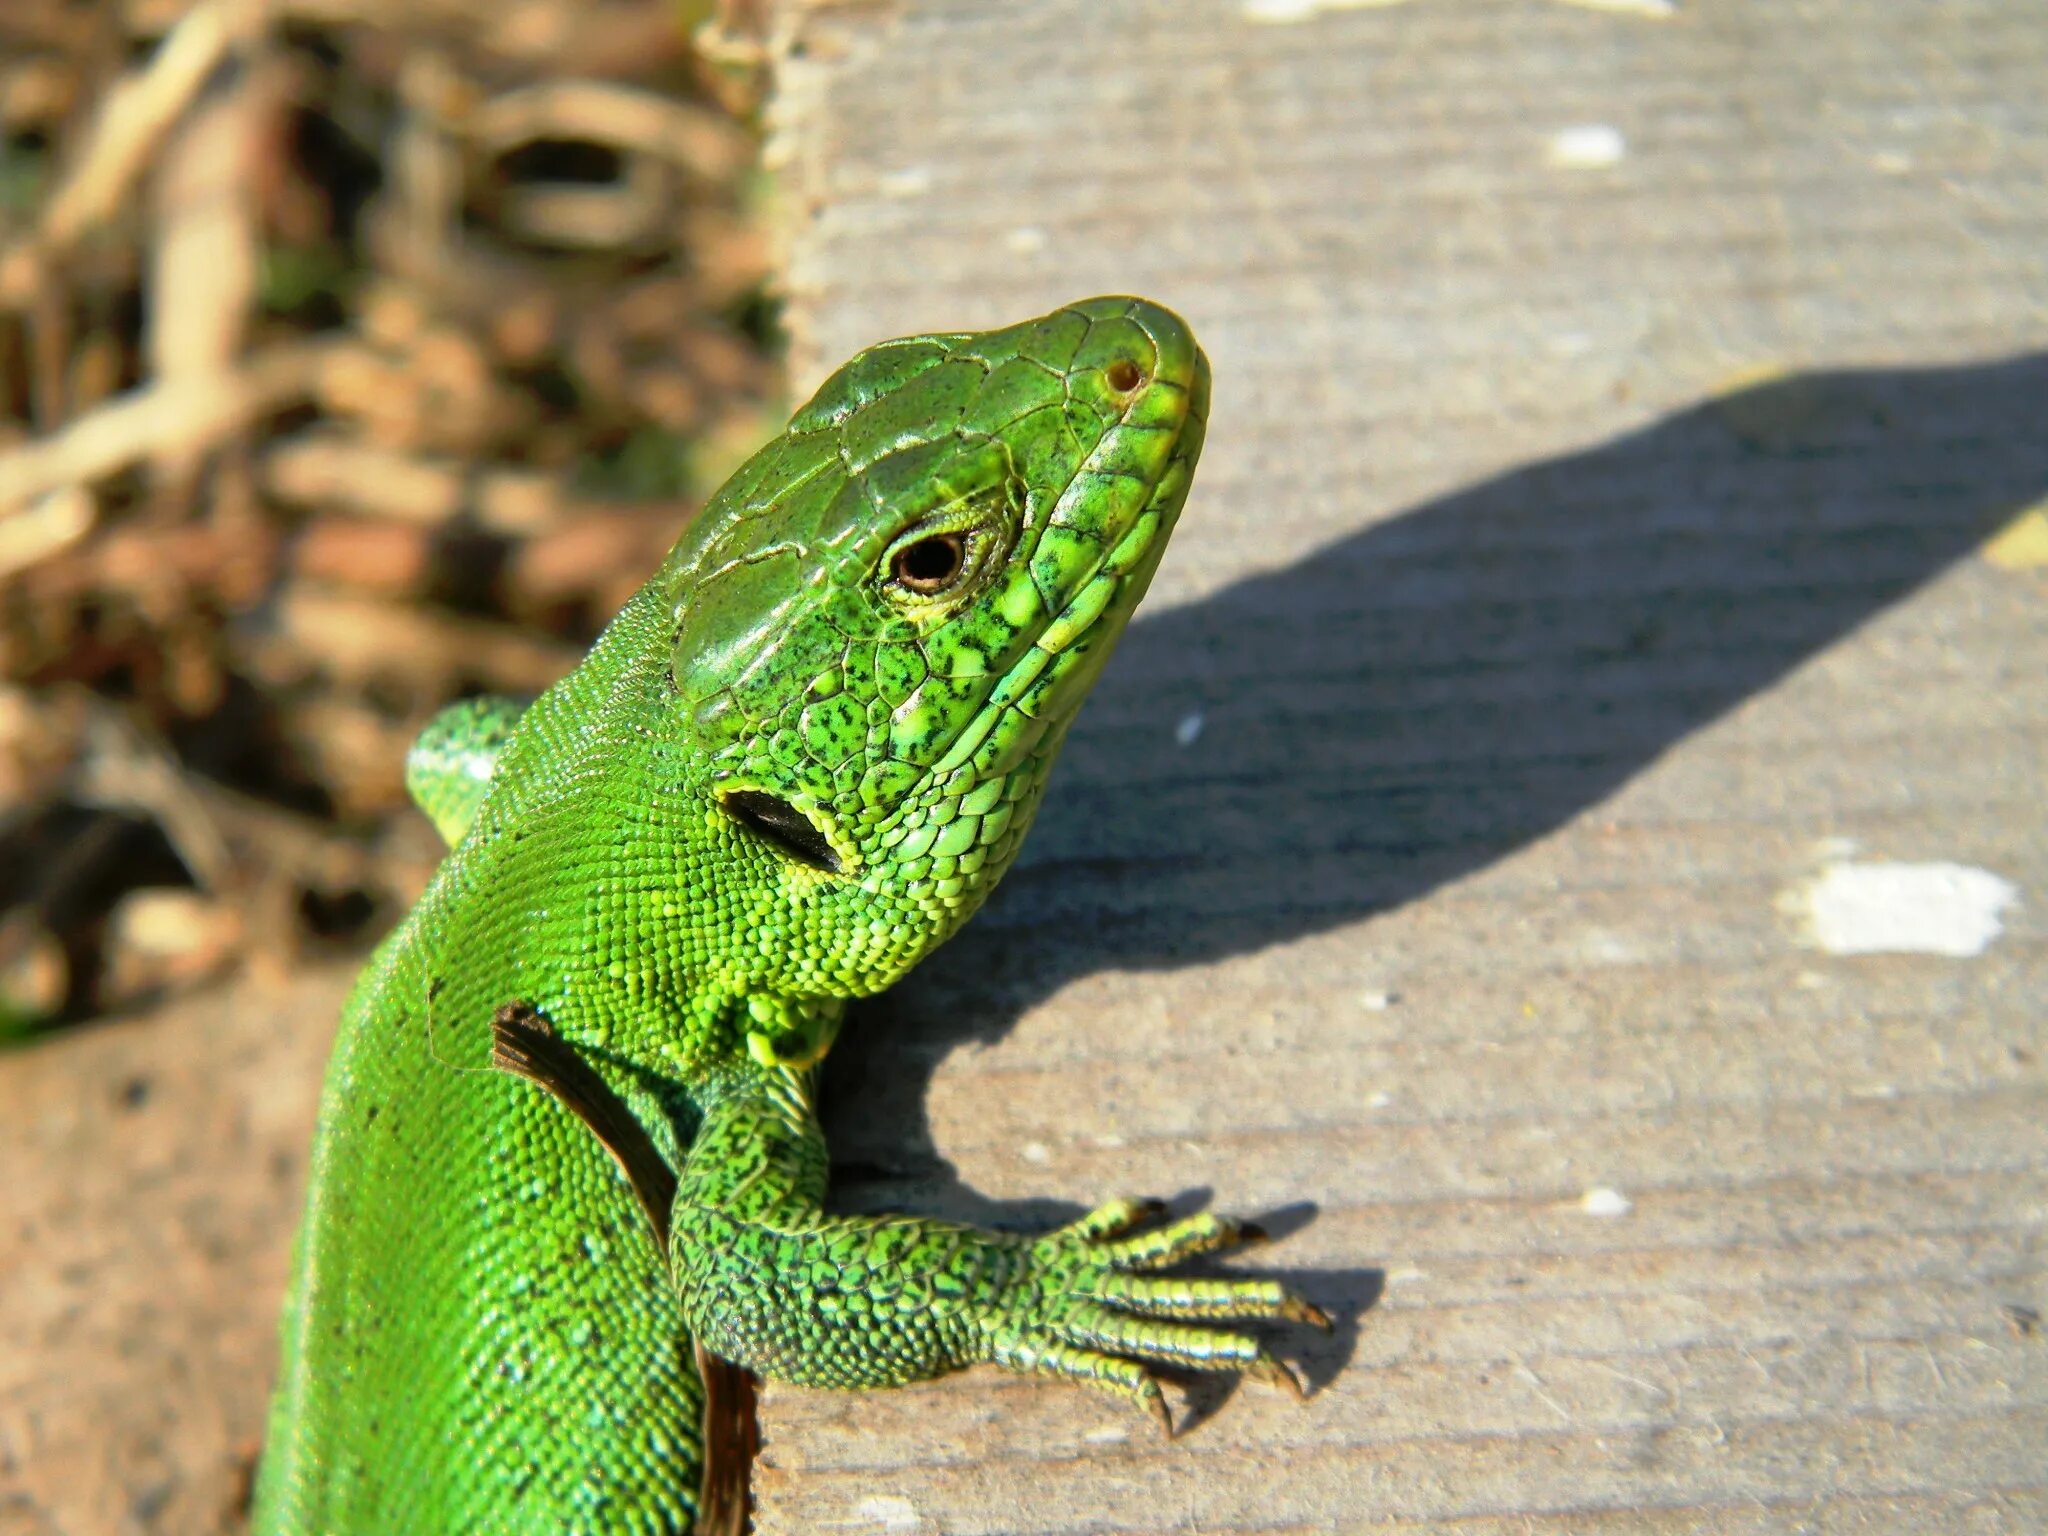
<point>795,763</point>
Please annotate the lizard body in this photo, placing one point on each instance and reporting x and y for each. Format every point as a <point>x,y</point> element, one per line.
<point>795,762</point>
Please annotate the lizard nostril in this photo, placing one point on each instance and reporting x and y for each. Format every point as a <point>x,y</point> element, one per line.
<point>1124,375</point>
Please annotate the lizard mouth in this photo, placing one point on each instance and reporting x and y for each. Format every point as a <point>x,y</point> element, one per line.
<point>781,825</point>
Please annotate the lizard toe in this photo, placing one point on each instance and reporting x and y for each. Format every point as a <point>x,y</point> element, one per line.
<point>1190,1237</point>
<point>1113,1218</point>
<point>1120,1377</point>
<point>1205,1298</point>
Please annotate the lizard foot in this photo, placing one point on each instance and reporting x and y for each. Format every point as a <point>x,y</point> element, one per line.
<point>1089,1305</point>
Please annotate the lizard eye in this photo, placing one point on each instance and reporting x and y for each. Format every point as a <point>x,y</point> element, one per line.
<point>930,565</point>
<point>935,561</point>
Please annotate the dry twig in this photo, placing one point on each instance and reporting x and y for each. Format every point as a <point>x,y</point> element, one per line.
<point>133,120</point>
<point>160,417</point>
<point>419,396</point>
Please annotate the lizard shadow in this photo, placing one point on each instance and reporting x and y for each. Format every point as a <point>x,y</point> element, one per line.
<point>1423,697</point>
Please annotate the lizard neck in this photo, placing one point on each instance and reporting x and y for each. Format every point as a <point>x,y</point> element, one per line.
<point>600,885</point>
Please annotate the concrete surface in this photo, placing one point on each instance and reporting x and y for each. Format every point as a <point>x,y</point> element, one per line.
<point>1586,576</point>
<point>1611,577</point>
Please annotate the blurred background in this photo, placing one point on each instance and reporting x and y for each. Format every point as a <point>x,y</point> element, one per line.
<point>1562,842</point>
<point>351,358</point>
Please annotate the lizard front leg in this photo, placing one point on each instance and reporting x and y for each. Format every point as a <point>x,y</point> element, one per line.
<point>770,1281</point>
<point>450,768</point>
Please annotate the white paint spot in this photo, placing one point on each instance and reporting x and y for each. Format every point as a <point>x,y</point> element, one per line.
<point>910,181</point>
<point>1189,731</point>
<point>1282,12</point>
<point>1407,1274</point>
<point>1035,1152</point>
<point>888,1511</point>
<point>1027,240</point>
<point>1107,1436</point>
<point>1605,1202</point>
<point>1588,147</point>
<point>1274,12</point>
<point>1378,1000</point>
<point>1602,946</point>
<point>1660,10</point>
<point>1903,909</point>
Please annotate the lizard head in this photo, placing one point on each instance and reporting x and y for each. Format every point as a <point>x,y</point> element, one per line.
<point>886,620</point>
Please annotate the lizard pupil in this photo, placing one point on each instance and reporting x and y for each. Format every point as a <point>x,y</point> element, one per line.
<point>931,565</point>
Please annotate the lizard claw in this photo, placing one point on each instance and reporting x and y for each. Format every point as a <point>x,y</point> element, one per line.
<point>1155,1404</point>
<point>1276,1373</point>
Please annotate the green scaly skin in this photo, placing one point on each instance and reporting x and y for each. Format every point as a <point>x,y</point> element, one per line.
<point>795,763</point>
